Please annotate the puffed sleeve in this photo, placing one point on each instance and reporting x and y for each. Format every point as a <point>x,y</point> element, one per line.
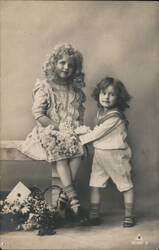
<point>40,100</point>
<point>101,130</point>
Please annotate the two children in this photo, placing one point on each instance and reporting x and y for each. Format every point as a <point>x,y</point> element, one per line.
<point>58,110</point>
<point>112,154</point>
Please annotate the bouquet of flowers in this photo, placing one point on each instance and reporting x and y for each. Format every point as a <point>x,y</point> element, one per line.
<point>32,213</point>
<point>60,142</point>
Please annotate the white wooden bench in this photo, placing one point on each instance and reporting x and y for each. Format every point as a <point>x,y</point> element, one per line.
<point>9,152</point>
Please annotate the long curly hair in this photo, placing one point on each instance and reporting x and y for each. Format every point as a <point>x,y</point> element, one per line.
<point>123,96</point>
<point>77,78</point>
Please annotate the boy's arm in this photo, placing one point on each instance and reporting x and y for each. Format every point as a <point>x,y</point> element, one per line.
<point>101,130</point>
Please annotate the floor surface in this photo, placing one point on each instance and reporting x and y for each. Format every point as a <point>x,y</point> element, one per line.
<point>110,235</point>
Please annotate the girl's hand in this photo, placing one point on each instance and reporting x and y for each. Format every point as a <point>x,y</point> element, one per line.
<point>46,121</point>
<point>56,127</point>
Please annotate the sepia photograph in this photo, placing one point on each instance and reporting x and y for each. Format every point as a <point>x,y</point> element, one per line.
<point>79,125</point>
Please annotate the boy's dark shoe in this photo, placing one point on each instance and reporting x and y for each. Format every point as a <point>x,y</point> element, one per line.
<point>91,222</point>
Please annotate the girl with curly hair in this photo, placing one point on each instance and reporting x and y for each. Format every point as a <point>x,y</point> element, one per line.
<point>112,154</point>
<point>58,110</point>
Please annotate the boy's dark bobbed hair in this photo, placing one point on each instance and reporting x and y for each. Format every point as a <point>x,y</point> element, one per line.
<point>123,96</point>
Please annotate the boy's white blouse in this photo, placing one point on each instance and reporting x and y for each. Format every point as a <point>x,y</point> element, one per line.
<point>111,134</point>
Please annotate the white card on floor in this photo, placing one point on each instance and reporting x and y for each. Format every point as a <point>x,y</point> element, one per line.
<point>20,192</point>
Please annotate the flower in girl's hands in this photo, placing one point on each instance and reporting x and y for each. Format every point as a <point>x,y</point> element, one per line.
<point>68,144</point>
<point>48,129</point>
<point>61,142</point>
<point>48,136</point>
<point>82,130</point>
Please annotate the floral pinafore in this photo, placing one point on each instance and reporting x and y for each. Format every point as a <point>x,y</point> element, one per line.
<point>64,107</point>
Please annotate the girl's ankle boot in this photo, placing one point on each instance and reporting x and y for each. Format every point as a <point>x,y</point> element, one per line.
<point>75,206</point>
<point>62,201</point>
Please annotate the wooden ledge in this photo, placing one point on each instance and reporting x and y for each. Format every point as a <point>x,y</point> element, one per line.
<point>10,144</point>
<point>9,151</point>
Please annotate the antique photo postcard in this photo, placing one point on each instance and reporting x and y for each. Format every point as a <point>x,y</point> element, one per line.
<point>79,115</point>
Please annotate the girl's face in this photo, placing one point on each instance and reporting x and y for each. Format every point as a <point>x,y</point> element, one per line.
<point>65,67</point>
<point>108,97</point>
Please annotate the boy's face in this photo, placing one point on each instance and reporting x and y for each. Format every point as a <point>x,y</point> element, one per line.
<point>108,97</point>
<point>65,67</point>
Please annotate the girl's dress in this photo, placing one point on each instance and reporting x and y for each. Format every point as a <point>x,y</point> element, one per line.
<point>64,106</point>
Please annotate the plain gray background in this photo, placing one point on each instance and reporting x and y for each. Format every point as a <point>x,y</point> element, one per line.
<point>119,39</point>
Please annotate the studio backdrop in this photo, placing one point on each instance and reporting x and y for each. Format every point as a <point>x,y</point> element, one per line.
<point>118,39</point>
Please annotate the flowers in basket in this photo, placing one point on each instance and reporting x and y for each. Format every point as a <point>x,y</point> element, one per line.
<point>12,214</point>
<point>30,214</point>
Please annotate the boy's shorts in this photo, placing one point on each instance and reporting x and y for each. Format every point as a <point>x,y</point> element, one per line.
<point>114,164</point>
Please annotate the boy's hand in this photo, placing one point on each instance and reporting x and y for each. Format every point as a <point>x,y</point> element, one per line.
<point>81,130</point>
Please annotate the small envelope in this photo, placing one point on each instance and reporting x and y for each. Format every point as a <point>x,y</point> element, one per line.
<point>20,192</point>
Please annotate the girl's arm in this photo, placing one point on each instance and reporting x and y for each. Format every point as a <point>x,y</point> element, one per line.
<point>41,104</point>
<point>101,130</point>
